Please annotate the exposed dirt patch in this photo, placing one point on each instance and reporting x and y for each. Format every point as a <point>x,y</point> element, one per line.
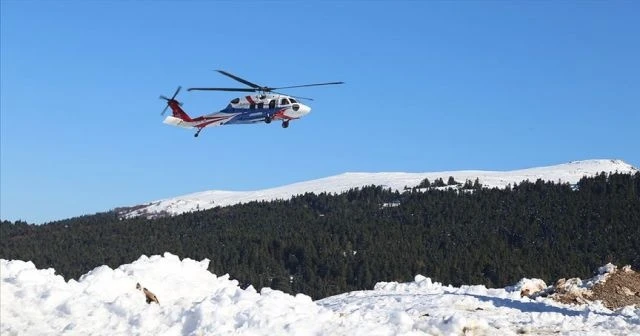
<point>619,288</point>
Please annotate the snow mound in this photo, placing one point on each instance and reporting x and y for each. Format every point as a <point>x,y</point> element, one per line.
<point>570,172</point>
<point>527,287</point>
<point>105,302</point>
<point>193,301</point>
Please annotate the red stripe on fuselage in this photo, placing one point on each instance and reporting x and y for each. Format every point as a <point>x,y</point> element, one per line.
<point>250,100</point>
<point>209,120</point>
<point>205,124</point>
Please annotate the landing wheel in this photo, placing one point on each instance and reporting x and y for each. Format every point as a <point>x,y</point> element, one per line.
<point>285,124</point>
<point>267,120</point>
<point>197,133</point>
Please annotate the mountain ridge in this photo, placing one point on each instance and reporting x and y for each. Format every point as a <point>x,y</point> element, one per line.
<point>570,172</point>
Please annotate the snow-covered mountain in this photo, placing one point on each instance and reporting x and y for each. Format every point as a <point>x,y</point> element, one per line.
<point>570,172</point>
<point>193,301</point>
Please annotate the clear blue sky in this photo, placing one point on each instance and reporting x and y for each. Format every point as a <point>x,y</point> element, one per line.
<point>430,86</point>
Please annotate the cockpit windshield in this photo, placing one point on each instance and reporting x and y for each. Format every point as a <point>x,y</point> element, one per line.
<point>284,101</point>
<point>292,100</point>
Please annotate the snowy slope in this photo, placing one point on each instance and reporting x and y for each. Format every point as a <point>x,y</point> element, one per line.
<point>194,301</point>
<point>569,172</point>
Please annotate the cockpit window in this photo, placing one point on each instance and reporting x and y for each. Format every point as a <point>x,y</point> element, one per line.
<point>235,100</point>
<point>292,100</point>
<point>284,101</point>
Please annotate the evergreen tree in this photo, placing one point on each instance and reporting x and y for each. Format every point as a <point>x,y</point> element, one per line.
<point>424,184</point>
<point>438,183</point>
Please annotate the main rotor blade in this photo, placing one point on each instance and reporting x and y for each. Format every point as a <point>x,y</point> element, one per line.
<point>163,97</point>
<point>297,97</point>
<point>243,81</point>
<point>297,86</point>
<point>223,89</point>
<point>165,109</point>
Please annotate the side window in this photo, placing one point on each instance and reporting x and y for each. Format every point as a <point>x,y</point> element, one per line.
<point>284,101</point>
<point>272,104</point>
<point>260,105</point>
<point>252,106</point>
<point>235,101</point>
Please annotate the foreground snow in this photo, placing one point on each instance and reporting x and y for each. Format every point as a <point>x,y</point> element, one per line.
<point>570,172</point>
<point>194,301</point>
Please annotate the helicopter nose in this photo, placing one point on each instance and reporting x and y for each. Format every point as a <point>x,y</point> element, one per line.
<point>304,109</point>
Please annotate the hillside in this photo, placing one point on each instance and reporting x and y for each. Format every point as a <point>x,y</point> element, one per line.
<point>566,173</point>
<point>322,244</point>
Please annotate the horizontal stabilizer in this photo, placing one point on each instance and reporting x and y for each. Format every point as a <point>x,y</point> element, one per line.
<point>173,121</point>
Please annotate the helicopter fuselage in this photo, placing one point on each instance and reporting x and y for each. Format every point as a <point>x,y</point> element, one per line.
<point>247,110</point>
<point>265,106</point>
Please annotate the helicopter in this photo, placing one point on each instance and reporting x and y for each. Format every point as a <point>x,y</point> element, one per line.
<point>266,105</point>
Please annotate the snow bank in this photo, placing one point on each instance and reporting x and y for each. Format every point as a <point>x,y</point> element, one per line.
<point>106,302</point>
<point>194,301</point>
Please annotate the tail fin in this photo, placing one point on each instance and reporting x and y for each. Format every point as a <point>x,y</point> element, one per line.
<point>175,106</point>
<point>177,110</point>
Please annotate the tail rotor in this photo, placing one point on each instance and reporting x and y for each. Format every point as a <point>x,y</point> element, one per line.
<point>169,100</point>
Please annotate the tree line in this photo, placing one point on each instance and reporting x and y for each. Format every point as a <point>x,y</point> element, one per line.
<point>325,244</point>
